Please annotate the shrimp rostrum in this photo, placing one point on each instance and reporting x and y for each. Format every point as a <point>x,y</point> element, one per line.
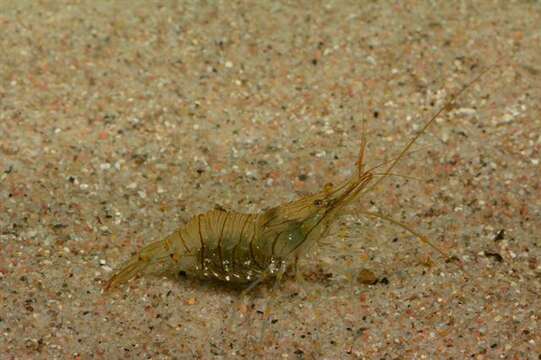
<point>250,248</point>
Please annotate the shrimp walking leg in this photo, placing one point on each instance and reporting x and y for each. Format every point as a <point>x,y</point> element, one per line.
<point>272,299</point>
<point>415,233</point>
<point>299,277</point>
<point>239,300</point>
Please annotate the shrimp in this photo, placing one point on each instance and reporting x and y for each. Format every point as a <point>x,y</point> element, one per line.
<point>250,248</point>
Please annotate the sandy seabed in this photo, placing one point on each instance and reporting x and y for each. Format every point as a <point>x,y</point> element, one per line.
<point>121,120</point>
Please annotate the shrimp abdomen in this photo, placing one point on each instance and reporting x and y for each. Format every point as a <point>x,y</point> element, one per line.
<point>162,253</point>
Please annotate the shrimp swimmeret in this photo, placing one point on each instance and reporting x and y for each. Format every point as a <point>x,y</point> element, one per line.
<point>250,248</point>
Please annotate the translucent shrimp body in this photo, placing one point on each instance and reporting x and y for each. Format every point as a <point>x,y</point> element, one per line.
<point>249,248</point>
<point>242,248</point>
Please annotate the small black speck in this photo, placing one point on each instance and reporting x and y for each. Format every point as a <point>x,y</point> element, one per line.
<point>500,235</point>
<point>303,177</point>
<point>494,255</point>
<point>200,171</point>
<point>259,312</point>
<point>395,239</point>
<point>493,346</point>
<point>299,352</point>
<point>181,273</point>
<point>376,114</point>
<point>384,281</point>
<point>314,61</point>
<point>274,321</point>
<point>71,179</point>
<point>333,342</point>
<point>361,330</point>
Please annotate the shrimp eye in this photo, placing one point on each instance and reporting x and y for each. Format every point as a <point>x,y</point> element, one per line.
<point>318,203</point>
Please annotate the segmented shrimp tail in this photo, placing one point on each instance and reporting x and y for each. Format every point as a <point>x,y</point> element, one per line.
<point>151,254</point>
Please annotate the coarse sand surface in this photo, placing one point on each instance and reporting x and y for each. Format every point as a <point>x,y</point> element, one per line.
<point>121,120</point>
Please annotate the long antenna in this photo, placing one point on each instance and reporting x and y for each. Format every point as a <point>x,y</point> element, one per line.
<point>443,109</point>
